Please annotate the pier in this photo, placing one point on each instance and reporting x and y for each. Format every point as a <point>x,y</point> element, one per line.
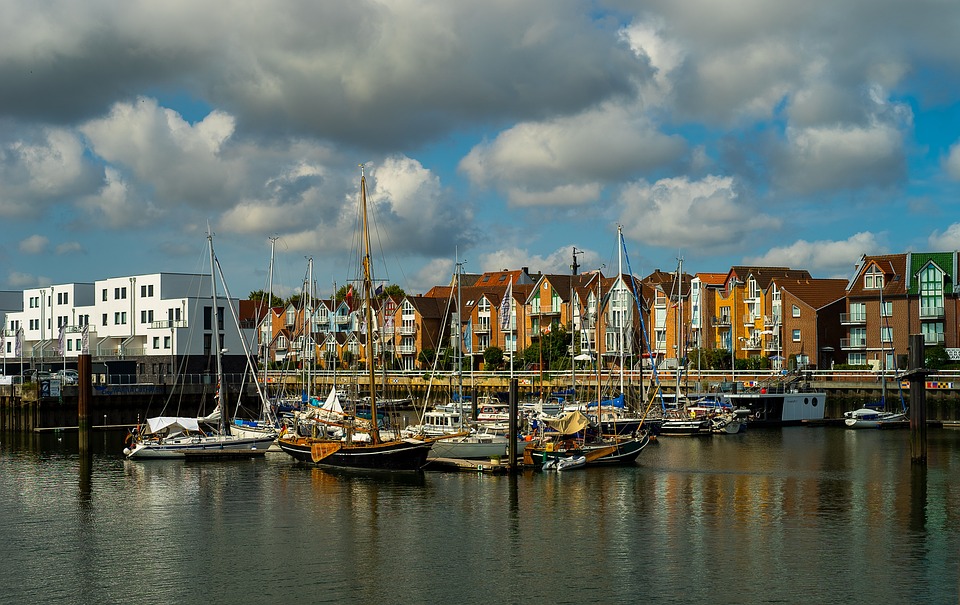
<point>39,407</point>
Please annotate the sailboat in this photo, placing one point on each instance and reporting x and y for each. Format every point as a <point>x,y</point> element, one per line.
<point>877,416</point>
<point>454,437</point>
<point>180,437</point>
<point>376,452</point>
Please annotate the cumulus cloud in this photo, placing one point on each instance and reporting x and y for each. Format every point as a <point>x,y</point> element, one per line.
<point>39,167</point>
<point>698,215</point>
<point>833,257</point>
<point>556,262</point>
<point>952,162</point>
<point>563,161</point>
<point>837,158</point>
<point>69,248</point>
<point>948,239</point>
<point>35,244</point>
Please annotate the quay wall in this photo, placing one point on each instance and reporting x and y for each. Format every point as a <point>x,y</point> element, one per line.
<point>27,407</point>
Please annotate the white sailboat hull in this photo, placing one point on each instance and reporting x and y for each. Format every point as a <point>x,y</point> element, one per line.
<point>184,446</point>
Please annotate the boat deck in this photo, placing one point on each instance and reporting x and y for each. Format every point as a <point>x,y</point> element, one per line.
<point>466,466</point>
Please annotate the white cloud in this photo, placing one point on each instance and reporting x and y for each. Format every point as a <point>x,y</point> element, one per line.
<point>825,256</point>
<point>20,280</point>
<point>34,244</point>
<point>69,248</point>
<point>555,263</point>
<point>696,215</point>
<point>567,157</point>
<point>838,157</point>
<point>948,239</point>
<point>952,162</point>
<point>116,206</point>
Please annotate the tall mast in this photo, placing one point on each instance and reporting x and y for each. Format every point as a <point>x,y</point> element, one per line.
<point>883,353</point>
<point>368,313</point>
<point>620,303</point>
<point>308,316</point>
<point>573,326</point>
<point>269,314</point>
<point>221,400</point>
<point>459,326</point>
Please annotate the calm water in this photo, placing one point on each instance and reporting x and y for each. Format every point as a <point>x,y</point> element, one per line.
<point>802,515</point>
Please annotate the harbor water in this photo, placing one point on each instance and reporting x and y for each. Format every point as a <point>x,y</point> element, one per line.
<point>793,515</point>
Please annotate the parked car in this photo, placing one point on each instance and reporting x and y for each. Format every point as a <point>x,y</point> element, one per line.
<point>68,376</point>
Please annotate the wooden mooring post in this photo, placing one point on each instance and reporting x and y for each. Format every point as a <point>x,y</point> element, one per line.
<point>917,376</point>
<point>513,424</point>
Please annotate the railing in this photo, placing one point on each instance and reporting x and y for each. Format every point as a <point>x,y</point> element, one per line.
<point>407,349</point>
<point>752,344</point>
<point>481,328</point>
<point>723,320</point>
<point>933,339</point>
<point>408,330</point>
<point>858,342</point>
<point>931,312</point>
<point>853,318</point>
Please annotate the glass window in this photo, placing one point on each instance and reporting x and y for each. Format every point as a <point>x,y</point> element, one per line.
<point>873,278</point>
<point>796,336</point>
<point>796,311</point>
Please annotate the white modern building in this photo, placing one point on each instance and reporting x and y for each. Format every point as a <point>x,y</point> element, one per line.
<point>162,322</point>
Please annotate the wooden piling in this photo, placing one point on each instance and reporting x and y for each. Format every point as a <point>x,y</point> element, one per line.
<point>512,436</point>
<point>917,375</point>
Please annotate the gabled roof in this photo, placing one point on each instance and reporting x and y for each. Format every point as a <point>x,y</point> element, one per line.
<point>712,279</point>
<point>893,267</point>
<point>764,275</point>
<point>428,307</point>
<point>818,293</point>
<point>945,261</point>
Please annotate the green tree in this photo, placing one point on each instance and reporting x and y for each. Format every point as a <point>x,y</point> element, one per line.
<point>259,295</point>
<point>936,357</point>
<point>493,358</point>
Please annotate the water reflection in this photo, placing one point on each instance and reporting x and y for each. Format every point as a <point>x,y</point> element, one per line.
<point>766,516</point>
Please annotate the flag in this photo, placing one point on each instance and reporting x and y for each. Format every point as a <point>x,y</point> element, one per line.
<point>85,348</point>
<point>3,342</point>
<point>505,308</point>
<point>349,299</point>
<point>19,343</point>
<point>60,337</point>
<point>378,291</point>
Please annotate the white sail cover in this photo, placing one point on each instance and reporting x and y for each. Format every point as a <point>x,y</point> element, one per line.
<point>332,404</point>
<point>213,417</point>
<point>172,424</point>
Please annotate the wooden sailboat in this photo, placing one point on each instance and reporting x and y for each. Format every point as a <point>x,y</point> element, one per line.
<point>374,453</point>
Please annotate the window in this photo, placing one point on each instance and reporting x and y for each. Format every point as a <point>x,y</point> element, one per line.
<point>156,342</point>
<point>103,321</point>
<point>873,278</point>
<point>886,309</point>
<point>796,311</point>
<point>796,336</point>
<point>166,342</point>
<point>857,359</point>
<point>931,291</point>
<point>69,344</point>
<point>104,294</point>
<point>146,291</point>
<point>886,334</point>
<point>858,311</point>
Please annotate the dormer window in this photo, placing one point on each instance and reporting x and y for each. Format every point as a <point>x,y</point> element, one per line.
<point>873,278</point>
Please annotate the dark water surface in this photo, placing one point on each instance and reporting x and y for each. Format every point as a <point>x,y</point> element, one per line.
<point>799,515</point>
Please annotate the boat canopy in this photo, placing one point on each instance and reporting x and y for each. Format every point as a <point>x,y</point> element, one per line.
<point>172,424</point>
<point>569,423</point>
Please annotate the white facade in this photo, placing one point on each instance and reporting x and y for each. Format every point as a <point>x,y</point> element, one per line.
<point>159,314</point>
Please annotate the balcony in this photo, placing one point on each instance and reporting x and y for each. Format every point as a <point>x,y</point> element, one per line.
<point>481,328</point>
<point>720,322</point>
<point>856,342</point>
<point>408,330</point>
<point>772,345</point>
<point>751,344</point>
<point>169,324</point>
<point>770,320</point>
<point>853,319</point>
<point>931,312</point>
<point>408,349</point>
<point>933,339</point>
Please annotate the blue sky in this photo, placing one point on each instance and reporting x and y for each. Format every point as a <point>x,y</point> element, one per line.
<point>497,132</point>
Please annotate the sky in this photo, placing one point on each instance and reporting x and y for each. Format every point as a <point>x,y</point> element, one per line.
<point>499,134</point>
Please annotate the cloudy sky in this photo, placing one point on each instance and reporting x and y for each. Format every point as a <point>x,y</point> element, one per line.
<point>499,132</point>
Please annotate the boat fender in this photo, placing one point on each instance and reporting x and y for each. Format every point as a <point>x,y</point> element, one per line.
<point>480,467</point>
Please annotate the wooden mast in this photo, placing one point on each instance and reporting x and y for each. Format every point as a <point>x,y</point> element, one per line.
<point>368,314</point>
